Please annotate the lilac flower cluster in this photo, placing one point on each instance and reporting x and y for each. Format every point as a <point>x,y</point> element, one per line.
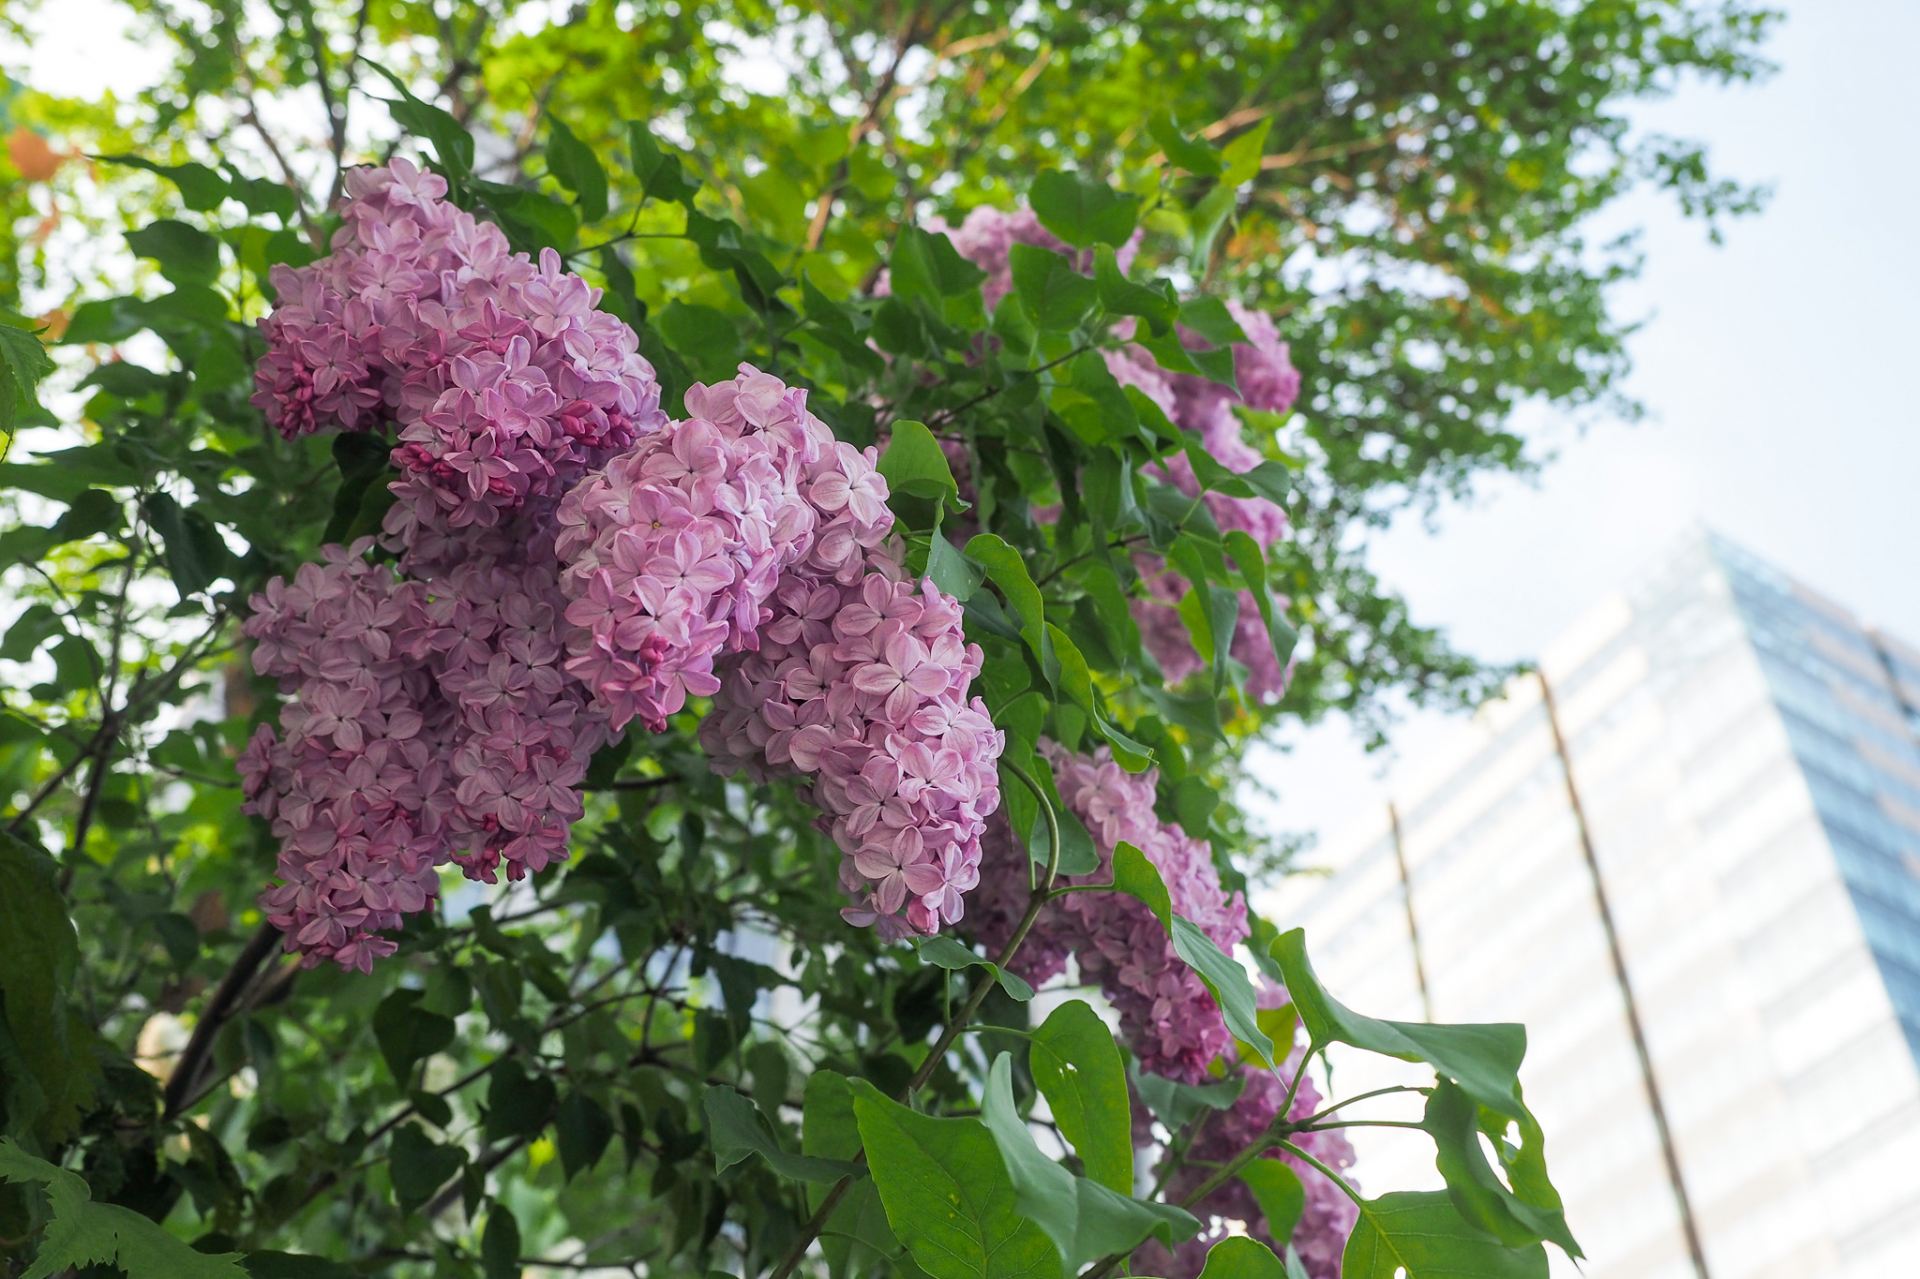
<point>568,566</point>
<point>1167,1018</point>
<point>861,688</point>
<point>1267,380</point>
<point>1166,1015</point>
<point>1205,407</point>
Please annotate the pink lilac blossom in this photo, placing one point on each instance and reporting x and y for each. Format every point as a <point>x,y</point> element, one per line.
<point>1206,409</point>
<point>506,382</point>
<point>1167,1018</point>
<point>831,668</point>
<point>430,719</point>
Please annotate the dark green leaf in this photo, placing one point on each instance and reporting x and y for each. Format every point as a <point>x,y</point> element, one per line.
<point>581,1129</point>
<point>519,1104</point>
<point>201,189</point>
<point>419,1166</point>
<point>500,1244</point>
<point>914,465</point>
<point>407,1032</point>
<point>451,142</point>
<point>945,952</point>
<point>575,166</point>
<point>736,1129</point>
<point>186,254</point>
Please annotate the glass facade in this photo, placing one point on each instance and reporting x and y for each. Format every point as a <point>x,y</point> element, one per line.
<point>1745,754</point>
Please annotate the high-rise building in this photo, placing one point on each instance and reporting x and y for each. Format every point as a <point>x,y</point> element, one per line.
<point>1687,857</point>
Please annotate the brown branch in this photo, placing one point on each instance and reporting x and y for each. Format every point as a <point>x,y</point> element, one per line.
<point>220,1006</point>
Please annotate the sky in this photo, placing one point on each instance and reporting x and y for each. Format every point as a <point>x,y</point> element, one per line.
<point>1771,366</point>
<point>1778,371</point>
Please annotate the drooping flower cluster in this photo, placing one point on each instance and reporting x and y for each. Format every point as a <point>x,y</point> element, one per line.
<point>1266,379</point>
<point>1205,408</point>
<point>1168,1020</point>
<point>429,718</point>
<point>568,566</point>
<point>861,688</point>
<point>1166,1015</point>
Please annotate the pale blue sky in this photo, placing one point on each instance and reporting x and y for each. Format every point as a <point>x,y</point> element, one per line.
<point>1778,368</point>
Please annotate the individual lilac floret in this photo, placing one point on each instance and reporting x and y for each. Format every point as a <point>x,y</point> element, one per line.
<point>1167,1017</point>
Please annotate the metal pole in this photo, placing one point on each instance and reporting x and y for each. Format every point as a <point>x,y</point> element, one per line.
<point>1413,924</point>
<point>1655,1106</point>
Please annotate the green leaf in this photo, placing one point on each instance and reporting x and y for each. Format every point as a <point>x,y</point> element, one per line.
<point>518,1104</point>
<point>914,465</point>
<point>407,1032</point>
<point>1252,563</point>
<point>1239,1257</point>
<point>1241,157</point>
<point>294,1265</point>
<point>201,189</point>
<point>944,952</point>
<point>1008,570</point>
<point>951,571</point>
<point>1081,211</point>
<point>194,552</point>
<point>1084,1219</point>
<point>925,267</point>
<point>1421,1236</point>
<point>705,337</point>
<point>1191,154</point>
<point>24,364</point>
<point>186,254</point>
<point>658,168</point>
<point>1276,1188</point>
<point>575,167</point>
<point>1483,1059</point>
<point>1134,875</point>
<point>1055,295</point>
<point>737,1129</point>
<point>500,1244</point>
<point>1227,981</point>
<point>1480,1192</point>
<point>451,142</point>
<point>419,1165</point>
<point>1078,1069</point>
<point>1121,296</point>
<point>82,1233</point>
<point>581,1129</point>
<point>54,1064</point>
<point>947,1194</point>
<point>1175,1104</point>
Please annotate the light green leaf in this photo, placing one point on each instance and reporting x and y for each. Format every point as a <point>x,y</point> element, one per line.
<point>1175,1104</point>
<point>1078,1069</point>
<point>1191,154</point>
<point>1481,1193</point>
<point>1276,1188</point>
<point>947,1194</point>
<point>944,952</point>
<point>1227,981</point>
<point>1082,211</point>
<point>1084,1219</point>
<point>1008,570</point>
<point>83,1233</point>
<point>1134,875</point>
<point>1052,293</point>
<point>913,464</point>
<point>736,1128</point>
<point>1421,1236</point>
<point>1239,1257</point>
